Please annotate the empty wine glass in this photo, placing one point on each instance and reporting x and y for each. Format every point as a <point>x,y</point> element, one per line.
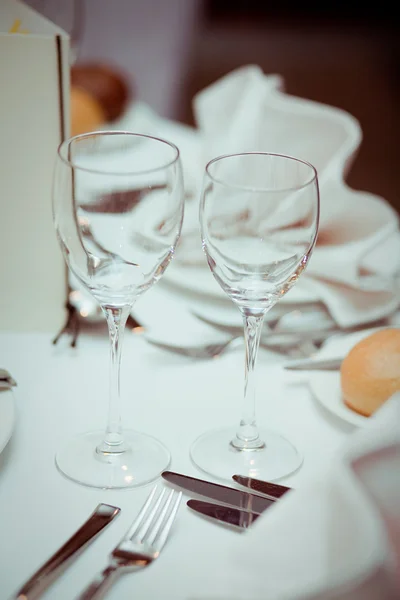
<point>259,215</point>
<point>117,249</point>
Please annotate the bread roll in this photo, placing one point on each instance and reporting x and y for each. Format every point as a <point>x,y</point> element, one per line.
<point>370,373</point>
<point>99,95</point>
<point>87,113</point>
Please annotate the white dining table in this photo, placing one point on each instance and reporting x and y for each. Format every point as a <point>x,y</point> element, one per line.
<point>62,391</point>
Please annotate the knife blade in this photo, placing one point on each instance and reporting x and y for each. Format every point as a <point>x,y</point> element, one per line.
<point>35,586</point>
<point>309,364</point>
<point>225,514</point>
<point>272,490</point>
<point>220,493</point>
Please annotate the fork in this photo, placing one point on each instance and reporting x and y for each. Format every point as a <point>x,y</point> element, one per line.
<point>214,350</point>
<point>141,544</point>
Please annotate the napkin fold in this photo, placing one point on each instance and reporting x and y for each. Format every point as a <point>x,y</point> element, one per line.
<point>328,539</point>
<point>357,253</point>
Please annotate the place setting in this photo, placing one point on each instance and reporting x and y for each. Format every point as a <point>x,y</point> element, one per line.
<point>256,251</point>
<point>247,299</point>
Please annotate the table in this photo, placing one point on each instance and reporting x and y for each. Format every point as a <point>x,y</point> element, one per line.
<point>62,391</point>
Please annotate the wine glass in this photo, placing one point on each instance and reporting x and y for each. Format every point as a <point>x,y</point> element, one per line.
<point>118,206</point>
<point>259,215</point>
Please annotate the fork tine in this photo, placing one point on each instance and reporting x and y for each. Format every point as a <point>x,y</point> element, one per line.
<point>149,518</point>
<point>140,517</point>
<point>163,534</point>
<point>156,524</point>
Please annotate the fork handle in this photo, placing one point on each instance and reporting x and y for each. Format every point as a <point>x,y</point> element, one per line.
<point>100,584</point>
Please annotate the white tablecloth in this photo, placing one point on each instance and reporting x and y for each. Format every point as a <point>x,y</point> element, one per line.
<point>63,391</point>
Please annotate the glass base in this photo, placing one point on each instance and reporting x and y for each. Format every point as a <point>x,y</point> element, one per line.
<point>214,454</point>
<point>142,461</point>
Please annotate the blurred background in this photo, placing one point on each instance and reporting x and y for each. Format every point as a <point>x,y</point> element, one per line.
<point>345,54</point>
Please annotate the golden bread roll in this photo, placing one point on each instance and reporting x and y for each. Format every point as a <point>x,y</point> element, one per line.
<point>87,113</point>
<point>370,373</point>
<point>99,95</point>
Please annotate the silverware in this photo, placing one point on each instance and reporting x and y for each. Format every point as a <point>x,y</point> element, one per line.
<point>220,493</point>
<point>228,328</point>
<point>6,381</point>
<point>206,351</point>
<point>273,490</point>
<point>89,310</point>
<point>301,324</point>
<point>225,514</point>
<point>35,586</point>
<point>323,364</point>
<point>294,322</point>
<point>295,341</point>
<point>294,347</point>
<point>82,308</point>
<point>141,544</point>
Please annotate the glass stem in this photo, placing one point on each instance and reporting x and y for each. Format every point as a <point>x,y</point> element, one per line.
<point>113,440</point>
<point>247,437</point>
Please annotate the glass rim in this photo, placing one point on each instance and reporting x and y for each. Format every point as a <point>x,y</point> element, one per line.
<point>312,179</point>
<point>109,132</point>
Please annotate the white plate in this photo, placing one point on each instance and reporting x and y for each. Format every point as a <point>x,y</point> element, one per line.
<point>7,417</point>
<point>201,281</point>
<point>325,385</point>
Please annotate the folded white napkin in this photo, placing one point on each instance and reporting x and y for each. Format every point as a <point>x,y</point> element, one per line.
<point>327,539</point>
<point>358,248</point>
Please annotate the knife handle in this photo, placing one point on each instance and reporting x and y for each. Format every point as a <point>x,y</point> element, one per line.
<point>35,586</point>
<point>318,364</point>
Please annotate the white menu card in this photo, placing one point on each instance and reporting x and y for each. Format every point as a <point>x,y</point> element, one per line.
<point>34,118</point>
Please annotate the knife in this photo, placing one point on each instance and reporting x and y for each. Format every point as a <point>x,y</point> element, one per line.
<point>225,514</point>
<point>221,493</point>
<point>308,364</point>
<point>35,586</point>
<point>273,490</point>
